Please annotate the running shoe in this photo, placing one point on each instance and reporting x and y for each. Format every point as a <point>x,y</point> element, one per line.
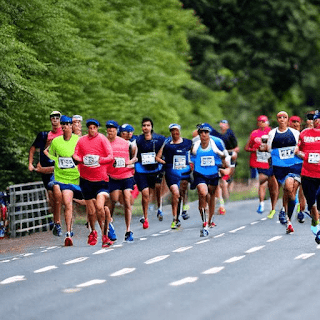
<point>142,220</point>
<point>205,225</point>
<point>2,232</point>
<point>282,217</point>
<point>289,228</point>
<point>185,215</point>
<point>128,237</point>
<point>260,208</point>
<point>160,215</point>
<point>300,217</point>
<point>298,207</point>
<point>106,242</point>
<point>174,225</point>
<point>204,232</point>
<point>314,223</point>
<point>145,224</point>
<point>112,233</point>
<point>57,231</point>
<point>222,211</point>
<point>317,238</point>
<point>68,240</point>
<point>271,214</point>
<point>93,238</point>
<point>185,207</point>
<point>212,225</point>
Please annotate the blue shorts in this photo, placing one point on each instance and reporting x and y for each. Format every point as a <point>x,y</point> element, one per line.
<point>266,172</point>
<point>122,184</point>
<point>253,173</point>
<point>282,173</point>
<point>90,189</point>
<point>147,180</point>
<point>77,194</point>
<point>311,190</point>
<point>46,179</point>
<point>199,178</point>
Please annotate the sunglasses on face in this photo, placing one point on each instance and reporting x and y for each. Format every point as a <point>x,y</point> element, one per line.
<point>65,123</point>
<point>310,116</point>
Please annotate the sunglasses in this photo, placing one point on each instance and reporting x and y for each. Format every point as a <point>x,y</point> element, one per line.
<point>65,123</point>
<point>310,116</point>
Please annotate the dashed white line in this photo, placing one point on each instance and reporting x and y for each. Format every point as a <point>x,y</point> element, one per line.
<point>117,246</point>
<point>254,249</point>
<point>122,272</point>
<point>155,235</point>
<point>142,239</point>
<point>157,259</point>
<point>203,241</point>
<point>263,219</point>
<point>91,283</point>
<point>182,249</point>
<point>13,279</point>
<point>4,261</point>
<point>219,235</point>
<point>28,254</point>
<point>213,270</point>
<point>183,281</point>
<point>45,269</point>
<point>234,259</point>
<point>44,251</point>
<point>102,251</point>
<point>71,290</point>
<point>274,239</point>
<point>165,231</point>
<point>254,222</point>
<point>76,260</point>
<point>235,230</point>
<point>304,256</point>
<point>53,247</point>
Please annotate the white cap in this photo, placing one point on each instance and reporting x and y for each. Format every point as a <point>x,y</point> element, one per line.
<point>77,117</point>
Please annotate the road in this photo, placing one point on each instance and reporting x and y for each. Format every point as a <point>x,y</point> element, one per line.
<point>247,268</point>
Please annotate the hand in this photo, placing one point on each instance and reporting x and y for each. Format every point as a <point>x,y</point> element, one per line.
<point>31,167</point>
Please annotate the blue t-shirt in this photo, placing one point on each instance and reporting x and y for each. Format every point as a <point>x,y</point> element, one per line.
<point>41,143</point>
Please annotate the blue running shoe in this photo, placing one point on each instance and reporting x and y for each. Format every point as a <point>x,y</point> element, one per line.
<point>204,232</point>
<point>282,217</point>
<point>57,231</point>
<point>160,215</point>
<point>2,232</point>
<point>300,217</point>
<point>185,215</point>
<point>317,238</point>
<point>128,237</point>
<point>112,233</point>
<point>260,208</point>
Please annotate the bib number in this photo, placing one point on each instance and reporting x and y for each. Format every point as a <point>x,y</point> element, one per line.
<point>119,162</point>
<point>179,162</point>
<point>65,163</point>
<point>314,158</point>
<point>286,153</point>
<point>148,158</point>
<point>262,156</point>
<point>207,161</point>
<point>91,160</point>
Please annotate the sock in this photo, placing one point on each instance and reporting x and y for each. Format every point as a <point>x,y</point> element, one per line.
<point>291,205</point>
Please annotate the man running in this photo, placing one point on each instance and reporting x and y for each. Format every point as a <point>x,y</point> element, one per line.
<point>174,155</point>
<point>208,154</point>
<point>66,174</point>
<point>77,125</point>
<point>148,172</point>
<point>93,153</point>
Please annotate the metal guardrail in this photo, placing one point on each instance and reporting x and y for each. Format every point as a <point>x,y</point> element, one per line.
<point>28,209</point>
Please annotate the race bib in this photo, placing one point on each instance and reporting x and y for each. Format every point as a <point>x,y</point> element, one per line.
<point>148,158</point>
<point>179,162</point>
<point>263,156</point>
<point>314,158</point>
<point>91,160</point>
<point>65,163</point>
<point>286,153</point>
<point>119,162</point>
<point>207,161</point>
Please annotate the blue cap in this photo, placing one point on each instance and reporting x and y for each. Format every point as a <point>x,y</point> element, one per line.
<point>224,121</point>
<point>65,119</point>
<point>174,126</point>
<point>204,127</point>
<point>112,124</point>
<point>92,121</point>
<point>126,127</point>
<point>316,115</point>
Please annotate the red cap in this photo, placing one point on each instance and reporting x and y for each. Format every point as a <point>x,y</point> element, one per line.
<point>262,118</point>
<point>294,118</point>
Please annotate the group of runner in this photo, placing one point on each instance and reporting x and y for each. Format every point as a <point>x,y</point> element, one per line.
<point>100,170</point>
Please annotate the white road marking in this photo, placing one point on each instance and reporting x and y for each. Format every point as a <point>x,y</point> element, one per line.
<point>117,246</point>
<point>103,251</point>
<point>213,270</point>
<point>219,235</point>
<point>235,230</point>
<point>254,249</point>
<point>53,247</point>
<point>15,259</point>
<point>263,219</point>
<point>157,259</point>
<point>122,272</point>
<point>155,235</point>
<point>142,239</point>
<point>254,222</point>
<point>28,254</point>
<point>318,246</point>
<point>182,249</point>
<point>304,256</point>
<point>90,283</point>
<point>183,281</point>
<point>44,251</point>
<point>76,260</point>
<point>234,259</point>
<point>71,290</point>
<point>3,261</point>
<point>165,231</point>
<point>45,269</point>
<point>13,279</point>
<point>203,241</point>
<point>274,239</point>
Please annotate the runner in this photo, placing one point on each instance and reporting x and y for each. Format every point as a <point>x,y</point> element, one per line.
<point>207,154</point>
<point>286,165</point>
<point>176,154</point>
<point>121,174</point>
<point>66,174</point>
<point>260,160</point>
<point>148,173</point>
<point>309,151</point>
<point>93,153</point>
<point>77,125</point>
<point>46,166</point>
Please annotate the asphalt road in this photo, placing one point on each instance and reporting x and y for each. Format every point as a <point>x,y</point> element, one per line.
<point>247,268</point>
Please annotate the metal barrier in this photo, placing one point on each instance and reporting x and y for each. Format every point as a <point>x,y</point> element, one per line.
<point>28,209</point>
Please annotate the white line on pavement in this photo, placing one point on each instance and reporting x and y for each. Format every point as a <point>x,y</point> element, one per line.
<point>28,254</point>
<point>263,219</point>
<point>103,251</point>
<point>3,261</point>
<point>235,230</point>
<point>122,272</point>
<point>183,281</point>
<point>203,241</point>
<point>90,283</point>
<point>254,249</point>
<point>13,279</point>
<point>71,290</point>
<point>213,270</point>
<point>219,235</point>
<point>142,239</point>
<point>234,259</point>
<point>304,256</point>
<point>157,259</point>
<point>254,222</point>
<point>117,245</point>
<point>165,231</point>
<point>155,235</point>
<point>274,239</point>
<point>45,269</point>
<point>76,260</point>
<point>182,249</point>
<point>53,247</point>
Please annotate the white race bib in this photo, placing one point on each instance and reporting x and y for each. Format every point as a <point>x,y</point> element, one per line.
<point>65,163</point>
<point>148,158</point>
<point>119,162</point>
<point>314,158</point>
<point>286,153</point>
<point>91,160</point>
<point>263,156</point>
<point>179,162</point>
<point>207,161</point>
